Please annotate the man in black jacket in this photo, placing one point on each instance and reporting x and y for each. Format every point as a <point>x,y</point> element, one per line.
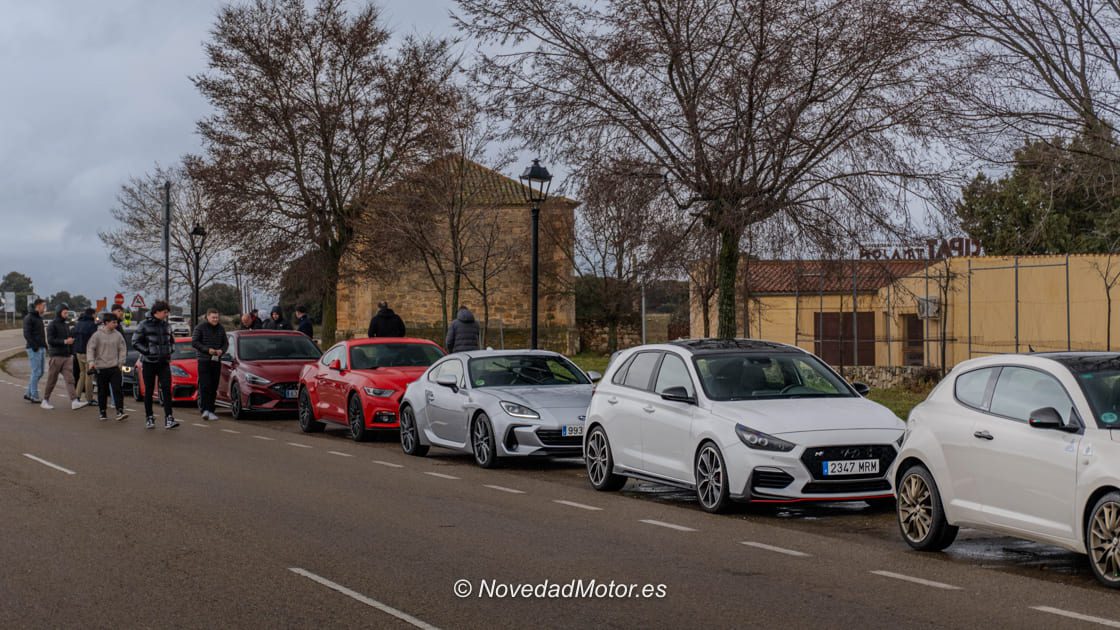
<point>36,338</point>
<point>59,347</point>
<point>83,330</point>
<point>386,323</point>
<point>303,322</point>
<point>276,320</point>
<point>210,341</point>
<point>155,343</point>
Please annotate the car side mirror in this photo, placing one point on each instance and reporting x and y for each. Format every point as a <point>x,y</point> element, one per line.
<point>594,376</point>
<point>449,381</point>
<point>678,394</point>
<point>861,388</point>
<point>1049,418</point>
<point>335,366</point>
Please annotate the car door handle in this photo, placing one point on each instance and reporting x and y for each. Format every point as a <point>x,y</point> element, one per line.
<point>983,435</point>
<point>648,409</point>
<point>612,400</point>
<point>429,395</point>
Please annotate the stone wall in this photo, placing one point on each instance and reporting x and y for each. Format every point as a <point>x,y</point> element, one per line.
<point>884,377</point>
<point>594,337</point>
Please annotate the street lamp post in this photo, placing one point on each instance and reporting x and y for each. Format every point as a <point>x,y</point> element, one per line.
<point>535,182</point>
<point>198,239</point>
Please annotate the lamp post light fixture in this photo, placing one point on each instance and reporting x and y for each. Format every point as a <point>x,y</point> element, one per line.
<point>535,182</point>
<point>198,239</point>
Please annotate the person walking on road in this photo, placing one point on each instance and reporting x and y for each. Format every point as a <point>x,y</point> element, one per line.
<point>35,336</point>
<point>386,323</point>
<point>210,341</point>
<point>60,346</point>
<point>154,341</point>
<point>276,320</point>
<point>303,322</point>
<point>462,335</point>
<point>106,353</point>
<point>83,331</point>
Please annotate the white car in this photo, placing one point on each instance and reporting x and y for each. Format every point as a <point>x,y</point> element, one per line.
<point>739,420</point>
<point>179,326</point>
<point>1023,445</point>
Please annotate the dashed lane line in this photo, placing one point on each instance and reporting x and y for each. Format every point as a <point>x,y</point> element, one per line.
<point>1108,623</point>
<point>788,552</point>
<point>916,580</point>
<point>340,454</point>
<point>441,475</point>
<point>387,464</point>
<point>582,506</point>
<point>46,463</point>
<point>264,437</point>
<point>195,424</point>
<point>385,608</point>
<point>297,445</point>
<point>504,489</point>
<point>230,431</point>
<point>679,528</point>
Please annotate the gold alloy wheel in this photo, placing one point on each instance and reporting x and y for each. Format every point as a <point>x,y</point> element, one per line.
<point>1104,540</point>
<point>915,508</point>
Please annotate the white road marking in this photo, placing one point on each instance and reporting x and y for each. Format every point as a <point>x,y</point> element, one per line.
<point>389,464</point>
<point>505,489</point>
<point>231,431</point>
<point>581,506</point>
<point>1108,623</point>
<point>389,610</point>
<point>46,463</point>
<point>679,528</point>
<point>200,425</point>
<point>441,475</point>
<point>262,437</point>
<point>15,348</point>
<point>788,552</point>
<point>298,445</point>
<point>340,454</point>
<point>915,580</point>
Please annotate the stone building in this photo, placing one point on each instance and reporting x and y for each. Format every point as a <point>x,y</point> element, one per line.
<point>412,293</point>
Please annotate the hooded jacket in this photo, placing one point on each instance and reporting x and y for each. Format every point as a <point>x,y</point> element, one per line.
<point>386,323</point>
<point>305,326</point>
<point>33,332</point>
<point>83,330</point>
<point>462,335</point>
<point>153,340</point>
<point>106,349</point>
<point>57,333</point>
<point>276,324</point>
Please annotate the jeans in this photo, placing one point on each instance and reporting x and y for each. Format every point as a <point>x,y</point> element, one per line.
<point>109,379</point>
<point>36,357</point>
<point>152,371</point>
<point>208,374</point>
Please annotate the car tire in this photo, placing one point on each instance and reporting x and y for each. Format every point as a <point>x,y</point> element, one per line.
<point>410,434</point>
<point>307,421</point>
<point>1102,539</point>
<point>356,418</point>
<point>600,462</point>
<point>921,516</point>
<point>235,407</point>
<point>136,393</point>
<point>710,474</point>
<point>483,444</point>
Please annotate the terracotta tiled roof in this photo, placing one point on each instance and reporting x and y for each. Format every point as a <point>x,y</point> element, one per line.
<point>486,183</point>
<point>829,276</point>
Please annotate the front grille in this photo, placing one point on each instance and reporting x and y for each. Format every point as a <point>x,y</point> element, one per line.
<point>182,391</point>
<point>282,389</point>
<point>257,400</point>
<point>846,487</point>
<point>770,479</point>
<point>552,437</point>
<point>814,456</point>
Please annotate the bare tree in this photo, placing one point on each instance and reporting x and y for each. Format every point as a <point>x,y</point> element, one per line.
<point>491,253</point>
<point>753,108</point>
<point>135,243</point>
<point>313,115</point>
<point>1109,273</point>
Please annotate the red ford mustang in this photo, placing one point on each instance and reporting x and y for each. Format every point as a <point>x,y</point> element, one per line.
<point>359,383</point>
<point>261,371</point>
<point>184,374</point>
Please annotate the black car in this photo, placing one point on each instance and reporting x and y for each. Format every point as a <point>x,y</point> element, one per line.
<point>128,370</point>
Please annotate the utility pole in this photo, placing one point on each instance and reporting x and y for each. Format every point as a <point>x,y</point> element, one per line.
<point>167,242</point>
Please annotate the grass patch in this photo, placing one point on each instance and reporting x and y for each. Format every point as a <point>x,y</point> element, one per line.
<point>590,362</point>
<point>898,400</point>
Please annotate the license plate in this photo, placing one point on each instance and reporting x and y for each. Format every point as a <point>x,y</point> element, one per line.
<point>291,393</point>
<point>571,430</point>
<point>850,467</point>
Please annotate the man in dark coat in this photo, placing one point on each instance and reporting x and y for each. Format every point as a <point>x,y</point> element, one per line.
<point>35,336</point>
<point>210,342</point>
<point>83,331</point>
<point>60,346</point>
<point>276,320</point>
<point>303,322</point>
<point>155,343</point>
<point>386,323</point>
<point>462,335</point>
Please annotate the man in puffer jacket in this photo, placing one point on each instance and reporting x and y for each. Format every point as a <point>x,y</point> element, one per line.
<point>36,339</point>
<point>59,349</point>
<point>462,335</point>
<point>106,353</point>
<point>154,342</point>
<point>83,330</point>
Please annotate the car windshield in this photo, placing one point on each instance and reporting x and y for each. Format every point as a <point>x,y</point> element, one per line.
<point>524,370</point>
<point>382,355</point>
<point>756,376</point>
<point>276,348</point>
<point>1099,378</point>
<point>183,350</point>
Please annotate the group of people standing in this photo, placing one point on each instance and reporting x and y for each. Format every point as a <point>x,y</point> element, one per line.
<point>462,334</point>
<point>276,321</point>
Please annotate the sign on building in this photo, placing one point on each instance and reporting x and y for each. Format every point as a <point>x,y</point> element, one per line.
<point>9,302</point>
<point>932,249</point>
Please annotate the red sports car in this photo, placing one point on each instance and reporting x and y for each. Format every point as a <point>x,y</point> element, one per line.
<point>261,370</point>
<point>359,383</point>
<point>184,374</point>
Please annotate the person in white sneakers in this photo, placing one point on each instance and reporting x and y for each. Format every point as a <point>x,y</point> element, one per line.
<point>60,344</point>
<point>105,353</point>
<point>210,342</point>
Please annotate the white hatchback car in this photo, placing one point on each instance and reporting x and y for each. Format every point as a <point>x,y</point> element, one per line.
<point>1022,445</point>
<point>739,420</point>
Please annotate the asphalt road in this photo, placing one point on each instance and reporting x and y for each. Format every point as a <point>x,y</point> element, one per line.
<point>253,524</point>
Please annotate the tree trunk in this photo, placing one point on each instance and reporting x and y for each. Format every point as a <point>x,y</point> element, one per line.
<point>612,336</point>
<point>329,328</point>
<point>1108,320</point>
<point>706,313</point>
<point>728,269</point>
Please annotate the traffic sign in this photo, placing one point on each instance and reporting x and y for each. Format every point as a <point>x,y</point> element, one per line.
<point>118,299</point>
<point>138,301</point>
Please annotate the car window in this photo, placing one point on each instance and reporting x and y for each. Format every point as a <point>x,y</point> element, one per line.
<point>972,387</point>
<point>673,373</point>
<point>454,368</point>
<point>183,350</point>
<point>388,355</point>
<point>277,348</point>
<point>1019,391</point>
<point>756,375</point>
<point>620,374</point>
<point>641,369</point>
<point>525,370</point>
<point>330,356</point>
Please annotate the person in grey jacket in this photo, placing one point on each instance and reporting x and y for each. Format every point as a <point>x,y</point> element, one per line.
<point>462,335</point>
<point>106,352</point>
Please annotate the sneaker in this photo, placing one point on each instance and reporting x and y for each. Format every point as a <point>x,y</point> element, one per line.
<point>27,398</point>
<point>170,423</point>
<point>35,400</point>
<point>121,416</point>
<point>150,423</point>
<point>102,417</point>
<point>46,404</point>
<point>91,403</point>
<point>76,404</point>
<point>210,415</point>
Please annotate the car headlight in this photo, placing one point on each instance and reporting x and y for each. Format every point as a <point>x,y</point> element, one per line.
<point>519,411</point>
<point>125,369</point>
<point>178,371</point>
<point>762,441</point>
<point>256,380</point>
<point>378,393</point>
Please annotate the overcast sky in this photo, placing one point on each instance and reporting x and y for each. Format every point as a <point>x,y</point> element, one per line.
<point>95,92</point>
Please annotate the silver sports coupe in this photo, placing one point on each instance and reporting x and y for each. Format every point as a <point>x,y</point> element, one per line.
<point>493,404</point>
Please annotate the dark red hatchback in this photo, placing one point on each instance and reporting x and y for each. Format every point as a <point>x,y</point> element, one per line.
<point>261,370</point>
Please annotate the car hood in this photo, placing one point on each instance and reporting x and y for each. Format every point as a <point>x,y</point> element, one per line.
<point>541,398</point>
<point>391,378</point>
<point>799,415</point>
<point>276,371</point>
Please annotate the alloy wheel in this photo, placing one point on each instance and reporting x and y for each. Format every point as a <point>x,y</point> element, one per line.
<point>357,420</point>
<point>1104,540</point>
<point>304,411</point>
<point>235,401</point>
<point>408,430</point>
<point>482,452</point>
<point>597,458</point>
<point>915,508</point>
<point>709,477</point>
